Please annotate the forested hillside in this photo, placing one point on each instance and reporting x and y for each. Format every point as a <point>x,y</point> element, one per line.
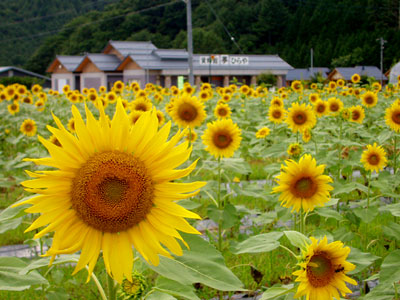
<point>342,33</point>
<point>25,24</point>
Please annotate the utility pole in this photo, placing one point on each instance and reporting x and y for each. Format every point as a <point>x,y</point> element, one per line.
<point>189,39</point>
<point>382,42</point>
<point>312,61</point>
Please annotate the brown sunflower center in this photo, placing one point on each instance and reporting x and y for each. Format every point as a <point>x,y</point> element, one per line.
<point>14,107</point>
<point>320,270</point>
<point>276,114</point>
<point>369,99</point>
<point>396,117</point>
<point>373,159</point>
<point>299,118</point>
<point>222,139</point>
<point>28,127</point>
<point>355,115</point>
<point>187,112</point>
<point>304,187</point>
<point>334,107</point>
<point>141,106</point>
<point>112,191</point>
<point>321,108</point>
<point>222,112</point>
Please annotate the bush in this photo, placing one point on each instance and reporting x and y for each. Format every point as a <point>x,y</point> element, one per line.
<point>27,81</point>
<point>266,78</point>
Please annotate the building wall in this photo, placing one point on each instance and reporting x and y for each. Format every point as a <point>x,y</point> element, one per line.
<point>93,80</point>
<point>135,75</point>
<point>59,79</point>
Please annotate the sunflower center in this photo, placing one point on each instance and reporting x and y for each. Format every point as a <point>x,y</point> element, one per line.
<point>334,107</point>
<point>373,159</point>
<point>112,191</point>
<point>320,270</point>
<point>321,108</point>
<point>28,127</point>
<point>141,106</point>
<point>304,187</point>
<point>276,114</point>
<point>355,115</point>
<point>222,140</point>
<point>299,118</point>
<point>222,112</point>
<point>396,117</point>
<point>369,100</point>
<point>187,112</point>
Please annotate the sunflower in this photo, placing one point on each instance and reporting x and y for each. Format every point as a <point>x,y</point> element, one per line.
<point>10,92</point>
<point>222,138</point>
<point>13,108</point>
<point>102,89</point>
<point>355,78</point>
<point>160,117</point>
<point>118,86</point>
<point>92,97</point>
<point>303,184</point>
<point>203,95</point>
<point>188,111</point>
<point>340,83</point>
<point>27,100</point>
<point>114,188</point>
<point>71,125</point>
<point>335,105</point>
<point>332,85</point>
<point>28,127</point>
<point>369,99</point>
<point>205,86</point>
<point>135,115</point>
<point>40,106</point>
<point>296,86</point>
<point>191,136</point>
<point>245,89</point>
<point>314,86</point>
<point>295,149</point>
<point>323,269</point>
<point>222,110</point>
<point>66,89</point>
<point>188,89</point>
<point>263,132</point>
<point>276,101</point>
<point>306,135</point>
<point>357,114</point>
<point>36,89</point>
<point>142,104</point>
<point>376,86</point>
<point>300,117</point>
<point>313,97</point>
<point>374,158</point>
<point>226,97</point>
<point>320,108</point>
<point>3,96</point>
<point>392,117</point>
<point>276,114</point>
<point>345,113</point>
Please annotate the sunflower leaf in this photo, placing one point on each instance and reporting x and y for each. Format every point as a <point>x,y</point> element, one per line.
<point>297,239</point>
<point>175,288</point>
<point>264,242</point>
<point>202,263</point>
<point>361,259</point>
<point>277,291</point>
<point>157,295</point>
<point>390,268</point>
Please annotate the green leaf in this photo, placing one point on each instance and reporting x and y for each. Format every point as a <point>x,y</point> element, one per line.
<point>266,218</point>
<point>14,212</point>
<point>11,280</point>
<point>277,291</point>
<point>346,188</point>
<point>394,209</point>
<point>235,165</point>
<point>331,202</point>
<point>160,296</point>
<point>189,204</point>
<point>229,216</point>
<point>10,224</point>
<point>202,263</point>
<point>43,262</point>
<point>390,268</point>
<point>328,213</point>
<point>264,242</point>
<point>366,214</point>
<point>392,230</point>
<point>361,259</point>
<point>57,294</point>
<point>174,288</point>
<point>381,292</point>
<point>297,239</point>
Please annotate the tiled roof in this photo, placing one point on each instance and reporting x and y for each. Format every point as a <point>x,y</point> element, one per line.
<point>33,74</point>
<point>70,62</point>
<point>370,71</point>
<point>105,62</point>
<point>306,74</point>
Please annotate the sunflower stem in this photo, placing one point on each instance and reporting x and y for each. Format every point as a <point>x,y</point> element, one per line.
<point>219,205</point>
<point>98,285</point>
<point>339,147</point>
<point>369,184</point>
<point>288,250</point>
<point>190,137</point>
<point>111,288</point>
<point>395,154</point>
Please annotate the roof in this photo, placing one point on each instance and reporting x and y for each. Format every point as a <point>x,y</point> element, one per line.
<point>306,74</point>
<point>104,62</point>
<point>29,73</point>
<point>171,53</point>
<point>132,47</point>
<point>70,62</point>
<point>370,71</point>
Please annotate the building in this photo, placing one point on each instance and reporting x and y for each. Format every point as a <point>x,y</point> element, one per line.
<point>306,74</point>
<point>346,73</point>
<point>10,71</point>
<point>143,62</point>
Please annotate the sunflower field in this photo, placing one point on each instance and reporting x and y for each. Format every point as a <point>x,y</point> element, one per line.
<point>234,192</point>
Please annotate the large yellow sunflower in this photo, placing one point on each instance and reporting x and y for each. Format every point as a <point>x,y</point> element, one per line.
<point>222,138</point>
<point>335,105</point>
<point>355,78</point>
<point>222,110</point>
<point>188,111</point>
<point>300,117</point>
<point>369,99</point>
<point>392,117</point>
<point>321,108</point>
<point>303,184</point>
<point>28,127</point>
<point>323,269</point>
<point>113,188</point>
<point>374,158</point>
<point>276,114</point>
<point>357,114</point>
<point>13,108</point>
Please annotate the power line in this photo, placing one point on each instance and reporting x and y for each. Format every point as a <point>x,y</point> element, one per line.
<point>62,12</point>
<point>226,29</point>
<point>93,22</point>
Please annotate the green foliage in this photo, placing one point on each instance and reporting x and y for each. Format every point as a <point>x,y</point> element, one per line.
<point>27,81</point>
<point>266,78</point>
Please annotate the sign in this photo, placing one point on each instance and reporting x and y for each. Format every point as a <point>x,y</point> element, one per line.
<point>224,60</point>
